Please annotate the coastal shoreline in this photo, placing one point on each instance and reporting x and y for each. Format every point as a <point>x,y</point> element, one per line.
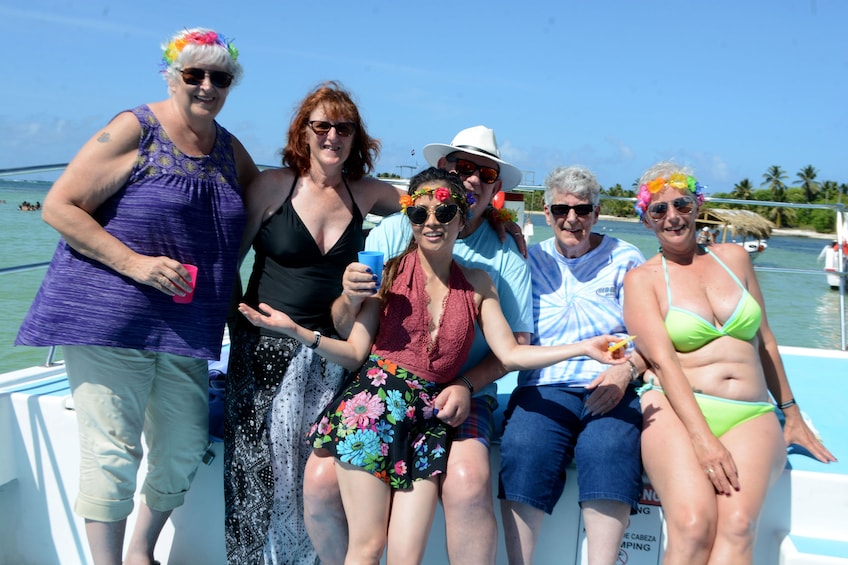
<point>803,233</point>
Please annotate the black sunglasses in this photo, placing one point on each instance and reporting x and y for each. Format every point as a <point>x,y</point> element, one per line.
<point>466,168</point>
<point>344,129</point>
<point>445,213</point>
<point>195,76</point>
<point>683,205</point>
<point>564,209</point>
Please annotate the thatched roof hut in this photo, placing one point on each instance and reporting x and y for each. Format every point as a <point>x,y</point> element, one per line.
<point>735,223</point>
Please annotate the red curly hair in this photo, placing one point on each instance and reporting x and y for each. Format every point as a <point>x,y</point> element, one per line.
<point>339,107</point>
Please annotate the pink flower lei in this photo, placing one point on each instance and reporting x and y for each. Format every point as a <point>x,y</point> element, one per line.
<point>176,45</point>
<point>679,181</point>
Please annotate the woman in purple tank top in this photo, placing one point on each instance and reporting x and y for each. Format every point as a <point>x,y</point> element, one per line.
<point>151,205</point>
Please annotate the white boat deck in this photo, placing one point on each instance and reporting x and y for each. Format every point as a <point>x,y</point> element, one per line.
<point>804,521</point>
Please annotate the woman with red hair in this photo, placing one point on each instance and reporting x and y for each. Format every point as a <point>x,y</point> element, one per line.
<point>304,222</point>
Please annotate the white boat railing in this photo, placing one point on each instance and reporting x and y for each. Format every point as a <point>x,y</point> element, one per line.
<point>15,171</point>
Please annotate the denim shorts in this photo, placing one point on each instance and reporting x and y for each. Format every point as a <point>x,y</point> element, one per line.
<point>548,427</point>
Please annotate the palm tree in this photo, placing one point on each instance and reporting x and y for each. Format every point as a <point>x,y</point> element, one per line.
<point>743,190</point>
<point>774,178</point>
<point>807,176</point>
<point>781,216</point>
<point>829,187</point>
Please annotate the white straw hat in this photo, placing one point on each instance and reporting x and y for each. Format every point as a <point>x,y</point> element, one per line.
<point>481,141</point>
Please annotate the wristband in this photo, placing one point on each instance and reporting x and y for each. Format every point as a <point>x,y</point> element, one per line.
<point>314,344</point>
<point>467,383</point>
<point>787,404</point>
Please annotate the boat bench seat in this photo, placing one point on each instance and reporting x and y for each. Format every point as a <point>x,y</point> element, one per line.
<point>51,383</point>
<point>801,550</point>
<point>8,462</point>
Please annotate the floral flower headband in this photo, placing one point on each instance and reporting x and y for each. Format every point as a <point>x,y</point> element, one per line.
<point>176,46</point>
<point>440,193</point>
<point>679,181</point>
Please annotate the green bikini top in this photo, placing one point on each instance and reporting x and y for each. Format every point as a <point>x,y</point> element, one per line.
<point>689,331</point>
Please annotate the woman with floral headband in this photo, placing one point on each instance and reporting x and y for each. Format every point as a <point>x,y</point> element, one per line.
<point>387,437</point>
<point>158,188</point>
<point>700,318</point>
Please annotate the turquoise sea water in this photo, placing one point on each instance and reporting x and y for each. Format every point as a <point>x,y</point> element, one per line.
<point>802,309</point>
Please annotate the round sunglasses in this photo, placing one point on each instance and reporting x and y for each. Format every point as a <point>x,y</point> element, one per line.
<point>445,213</point>
<point>320,127</point>
<point>194,76</point>
<point>683,205</point>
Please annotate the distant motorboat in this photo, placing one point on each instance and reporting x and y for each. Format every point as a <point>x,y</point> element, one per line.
<point>830,254</point>
<point>754,246</point>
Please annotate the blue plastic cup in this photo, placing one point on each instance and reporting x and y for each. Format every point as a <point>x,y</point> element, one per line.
<point>374,260</point>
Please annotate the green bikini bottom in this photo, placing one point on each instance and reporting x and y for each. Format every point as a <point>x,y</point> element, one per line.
<point>721,414</point>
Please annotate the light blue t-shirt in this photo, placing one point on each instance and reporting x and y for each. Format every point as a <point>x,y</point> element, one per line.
<point>482,249</point>
<point>574,299</point>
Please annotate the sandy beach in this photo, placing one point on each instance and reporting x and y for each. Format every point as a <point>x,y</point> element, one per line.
<point>803,233</point>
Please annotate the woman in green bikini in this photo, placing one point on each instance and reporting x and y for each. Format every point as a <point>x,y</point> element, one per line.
<point>699,315</point>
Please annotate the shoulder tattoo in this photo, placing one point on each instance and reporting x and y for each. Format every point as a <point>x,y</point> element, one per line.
<point>104,137</point>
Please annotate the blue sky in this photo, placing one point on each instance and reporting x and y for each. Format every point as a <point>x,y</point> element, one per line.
<point>729,87</point>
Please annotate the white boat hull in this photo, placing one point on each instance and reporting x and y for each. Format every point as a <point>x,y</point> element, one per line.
<point>831,265</point>
<point>754,246</point>
<point>40,460</point>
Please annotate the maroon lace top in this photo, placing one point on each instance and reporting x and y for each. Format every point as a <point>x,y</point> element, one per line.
<point>404,335</point>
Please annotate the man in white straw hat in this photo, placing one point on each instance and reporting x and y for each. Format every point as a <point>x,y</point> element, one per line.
<point>477,144</point>
<point>472,531</point>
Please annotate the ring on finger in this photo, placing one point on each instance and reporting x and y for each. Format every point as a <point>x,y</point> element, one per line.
<point>710,471</point>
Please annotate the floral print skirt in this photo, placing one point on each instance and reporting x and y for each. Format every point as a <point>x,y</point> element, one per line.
<point>383,422</point>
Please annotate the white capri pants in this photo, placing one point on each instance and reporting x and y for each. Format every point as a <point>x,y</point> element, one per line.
<point>118,393</point>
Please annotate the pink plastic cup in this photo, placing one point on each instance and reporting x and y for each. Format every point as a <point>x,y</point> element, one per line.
<point>192,270</point>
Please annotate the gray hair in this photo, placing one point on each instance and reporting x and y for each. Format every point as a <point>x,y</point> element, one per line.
<point>572,180</point>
